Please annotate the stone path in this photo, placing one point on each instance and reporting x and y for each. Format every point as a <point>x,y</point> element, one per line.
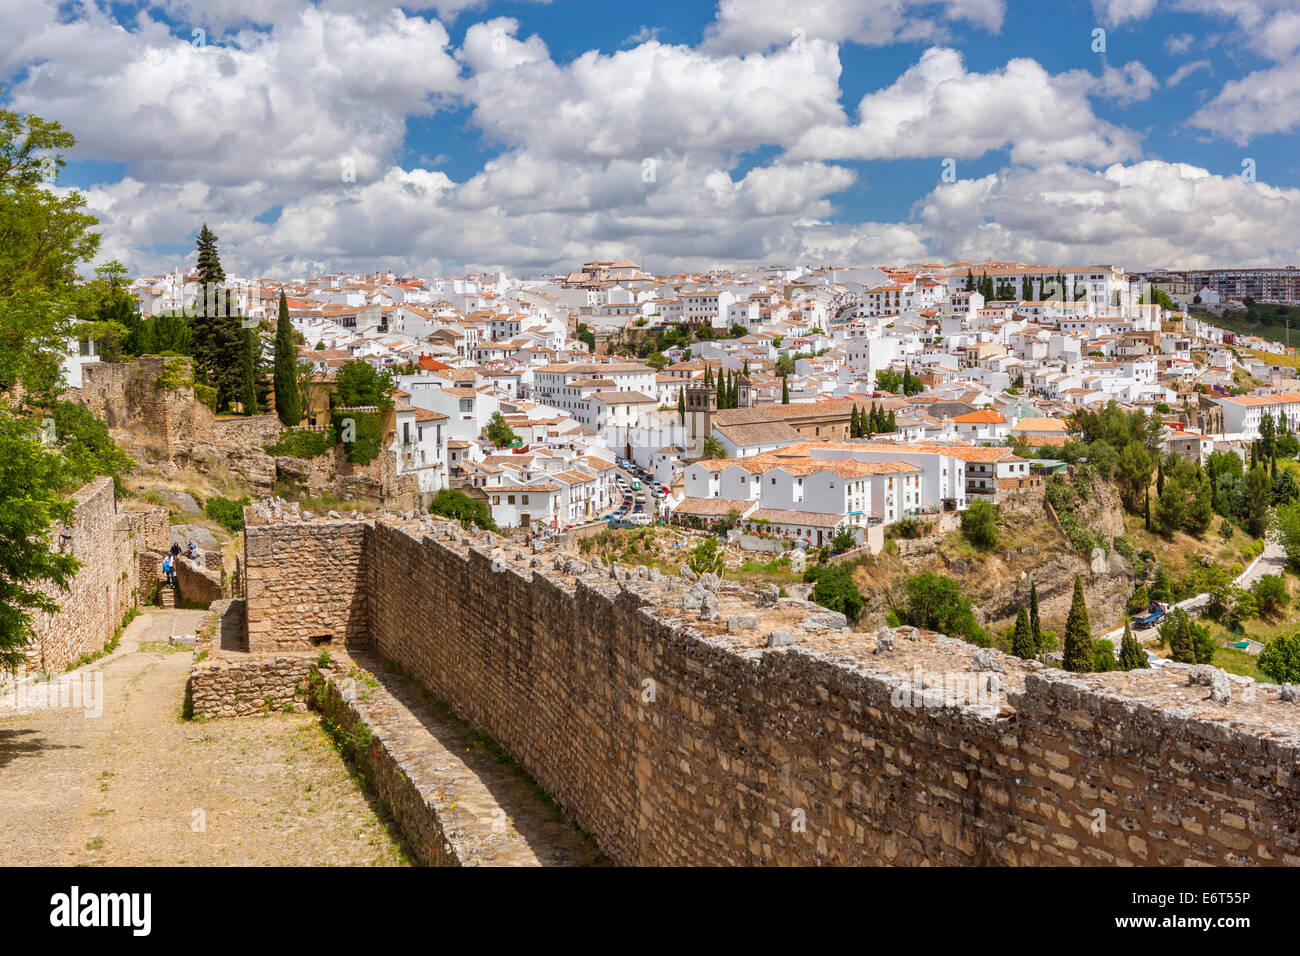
<point>138,786</point>
<point>489,811</point>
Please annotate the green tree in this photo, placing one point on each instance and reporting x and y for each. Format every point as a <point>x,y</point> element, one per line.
<point>979,524</point>
<point>1271,595</point>
<point>1280,659</point>
<point>836,591</point>
<point>1022,642</point>
<point>1035,624</point>
<point>218,340</point>
<point>843,540</point>
<point>1134,473</point>
<point>937,603</point>
<point>288,400</point>
<point>358,383</point>
<point>499,433</point>
<point>248,393</point>
<point>1103,656</point>
<point>452,503</point>
<point>34,480</point>
<point>45,236</point>
<point>1078,654</point>
<point>785,390</point>
<point>1256,501</point>
<point>681,406</point>
<point>1177,633</point>
<point>1131,655</point>
<point>712,448</point>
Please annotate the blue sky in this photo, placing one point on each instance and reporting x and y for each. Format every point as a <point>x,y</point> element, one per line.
<point>456,136</point>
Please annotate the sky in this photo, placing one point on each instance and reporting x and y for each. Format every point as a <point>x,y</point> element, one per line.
<point>465,135</point>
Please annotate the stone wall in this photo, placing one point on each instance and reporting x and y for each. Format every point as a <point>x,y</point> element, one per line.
<point>109,544</point>
<point>197,583</point>
<point>226,682</point>
<point>305,584</point>
<point>679,724</point>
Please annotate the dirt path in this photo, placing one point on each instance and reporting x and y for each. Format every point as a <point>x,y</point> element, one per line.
<point>136,785</point>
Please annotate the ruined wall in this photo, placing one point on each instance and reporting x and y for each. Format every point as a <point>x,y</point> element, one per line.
<point>197,584</point>
<point>677,739</point>
<point>305,585</point>
<point>109,544</point>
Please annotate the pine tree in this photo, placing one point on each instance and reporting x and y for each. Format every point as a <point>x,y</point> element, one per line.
<point>1078,634</point>
<point>210,272</point>
<point>1180,639</point>
<point>1022,643</point>
<point>248,392</point>
<point>217,339</point>
<point>288,400</point>
<point>1131,655</point>
<point>1035,628</point>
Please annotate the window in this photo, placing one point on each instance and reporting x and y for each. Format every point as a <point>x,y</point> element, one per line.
<point>525,497</point>
<point>510,499</point>
<point>496,499</point>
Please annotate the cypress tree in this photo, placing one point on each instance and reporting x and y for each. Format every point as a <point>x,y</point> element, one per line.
<point>248,396</point>
<point>288,400</point>
<point>722,390</point>
<point>785,391</point>
<point>890,423</point>
<point>1022,643</point>
<point>1078,634</point>
<point>970,282</point>
<point>855,423</point>
<point>681,406</point>
<point>1180,639</point>
<point>1131,656</point>
<point>1035,627</point>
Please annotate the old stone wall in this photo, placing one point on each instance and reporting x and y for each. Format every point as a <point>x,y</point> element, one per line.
<point>109,544</point>
<point>305,585</point>
<point>682,724</point>
<point>225,687</point>
<point>197,583</point>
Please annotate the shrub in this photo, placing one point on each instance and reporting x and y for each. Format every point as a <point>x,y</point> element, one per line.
<point>227,512</point>
<point>1271,595</point>
<point>979,523</point>
<point>1280,660</point>
<point>450,503</point>
<point>300,443</point>
<point>936,603</point>
<point>836,591</point>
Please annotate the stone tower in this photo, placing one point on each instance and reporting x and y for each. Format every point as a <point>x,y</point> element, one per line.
<point>701,406</point>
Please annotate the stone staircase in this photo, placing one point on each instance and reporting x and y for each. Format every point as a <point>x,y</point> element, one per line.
<point>166,595</point>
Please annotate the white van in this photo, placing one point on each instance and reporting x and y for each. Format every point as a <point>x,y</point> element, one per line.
<point>639,518</point>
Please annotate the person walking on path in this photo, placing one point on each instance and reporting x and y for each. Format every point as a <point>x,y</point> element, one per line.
<point>169,569</point>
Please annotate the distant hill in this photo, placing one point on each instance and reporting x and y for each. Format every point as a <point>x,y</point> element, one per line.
<point>1266,321</point>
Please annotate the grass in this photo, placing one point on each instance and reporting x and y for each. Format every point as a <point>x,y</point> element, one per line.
<point>1274,358</point>
<point>110,647</point>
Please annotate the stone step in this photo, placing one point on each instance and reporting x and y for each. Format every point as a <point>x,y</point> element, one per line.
<point>167,595</point>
